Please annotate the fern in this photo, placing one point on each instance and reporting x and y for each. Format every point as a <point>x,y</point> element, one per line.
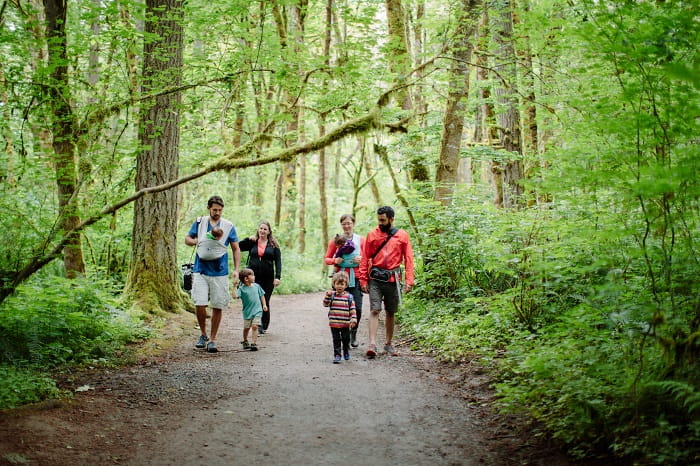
<point>685,394</point>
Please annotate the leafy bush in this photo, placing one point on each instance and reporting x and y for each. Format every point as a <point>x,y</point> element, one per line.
<point>22,386</point>
<point>52,321</point>
<point>596,336</point>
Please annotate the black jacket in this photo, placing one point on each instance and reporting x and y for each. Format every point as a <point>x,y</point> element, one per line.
<point>266,268</point>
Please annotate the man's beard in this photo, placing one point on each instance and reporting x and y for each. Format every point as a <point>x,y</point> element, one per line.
<point>385,228</point>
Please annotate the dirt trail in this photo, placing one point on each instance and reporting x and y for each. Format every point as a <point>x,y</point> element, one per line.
<point>286,404</point>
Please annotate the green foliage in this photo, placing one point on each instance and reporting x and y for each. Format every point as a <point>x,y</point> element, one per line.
<point>585,342</point>
<point>53,321</point>
<point>461,235</point>
<point>302,273</point>
<point>19,386</point>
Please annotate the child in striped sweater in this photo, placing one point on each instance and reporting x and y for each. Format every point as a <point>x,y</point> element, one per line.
<point>341,315</point>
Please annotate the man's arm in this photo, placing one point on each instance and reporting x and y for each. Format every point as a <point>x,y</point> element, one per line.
<point>190,241</point>
<point>364,262</point>
<point>409,263</point>
<point>191,238</point>
<point>236,260</point>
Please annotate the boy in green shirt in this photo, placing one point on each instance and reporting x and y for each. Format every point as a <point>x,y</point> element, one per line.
<point>253,299</point>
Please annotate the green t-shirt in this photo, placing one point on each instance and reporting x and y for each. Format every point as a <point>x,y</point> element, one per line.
<point>250,297</point>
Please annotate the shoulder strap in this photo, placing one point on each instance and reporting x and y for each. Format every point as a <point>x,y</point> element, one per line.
<point>392,232</point>
<point>202,232</point>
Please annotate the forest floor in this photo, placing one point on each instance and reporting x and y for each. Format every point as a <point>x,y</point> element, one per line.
<point>286,404</point>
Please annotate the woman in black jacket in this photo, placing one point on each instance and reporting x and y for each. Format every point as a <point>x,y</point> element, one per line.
<point>265,259</point>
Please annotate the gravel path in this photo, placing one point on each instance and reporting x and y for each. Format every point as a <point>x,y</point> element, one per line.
<point>286,404</point>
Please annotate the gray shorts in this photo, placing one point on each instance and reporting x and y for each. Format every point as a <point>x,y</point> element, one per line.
<point>387,292</point>
<point>210,290</point>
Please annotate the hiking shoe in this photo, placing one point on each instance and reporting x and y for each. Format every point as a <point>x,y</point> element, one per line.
<point>211,347</point>
<point>253,347</point>
<point>390,350</point>
<point>245,344</point>
<point>371,351</point>
<point>201,343</point>
<point>346,356</point>
<point>336,359</point>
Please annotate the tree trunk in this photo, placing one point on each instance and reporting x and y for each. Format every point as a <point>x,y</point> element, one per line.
<point>509,116</point>
<point>453,121</point>
<point>153,280</point>
<point>322,171</point>
<point>290,30</point>
<point>322,177</point>
<point>63,128</point>
<point>369,171</point>
<point>421,104</point>
<point>301,213</point>
<point>399,59</point>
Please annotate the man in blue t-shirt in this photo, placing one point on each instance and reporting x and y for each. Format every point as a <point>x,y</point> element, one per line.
<point>210,284</point>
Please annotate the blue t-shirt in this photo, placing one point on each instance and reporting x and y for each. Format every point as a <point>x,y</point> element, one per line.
<point>217,267</point>
<point>250,298</point>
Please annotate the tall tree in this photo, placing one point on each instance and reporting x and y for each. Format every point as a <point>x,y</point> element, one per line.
<point>153,281</point>
<point>508,116</point>
<point>397,49</point>
<point>453,120</point>
<point>290,28</point>
<point>322,170</point>
<point>63,132</point>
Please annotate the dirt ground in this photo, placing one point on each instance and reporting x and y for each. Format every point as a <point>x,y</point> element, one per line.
<point>286,404</point>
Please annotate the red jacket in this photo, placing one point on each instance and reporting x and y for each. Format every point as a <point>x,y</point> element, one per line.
<point>398,250</point>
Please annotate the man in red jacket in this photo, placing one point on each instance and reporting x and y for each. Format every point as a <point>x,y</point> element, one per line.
<point>383,252</point>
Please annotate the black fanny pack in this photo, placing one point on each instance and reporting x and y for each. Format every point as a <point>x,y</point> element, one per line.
<point>381,275</point>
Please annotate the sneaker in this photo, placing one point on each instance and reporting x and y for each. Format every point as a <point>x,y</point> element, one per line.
<point>253,347</point>
<point>371,351</point>
<point>390,350</point>
<point>202,342</point>
<point>245,344</point>
<point>336,359</point>
<point>211,347</point>
<point>261,331</point>
<point>346,356</point>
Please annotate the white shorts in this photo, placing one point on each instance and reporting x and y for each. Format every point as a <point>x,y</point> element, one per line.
<point>210,290</point>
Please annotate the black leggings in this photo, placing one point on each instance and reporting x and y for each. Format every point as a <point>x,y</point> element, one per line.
<point>265,319</point>
<point>356,293</point>
<point>341,337</point>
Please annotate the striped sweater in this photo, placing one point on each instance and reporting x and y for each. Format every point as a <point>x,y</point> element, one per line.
<point>341,309</point>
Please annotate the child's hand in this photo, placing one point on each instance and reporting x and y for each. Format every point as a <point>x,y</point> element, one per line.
<point>353,324</point>
<point>328,294</point>
<point>264,308</point>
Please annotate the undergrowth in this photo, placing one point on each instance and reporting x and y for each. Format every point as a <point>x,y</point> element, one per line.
<point>53,323</point>
<point>580,340</point>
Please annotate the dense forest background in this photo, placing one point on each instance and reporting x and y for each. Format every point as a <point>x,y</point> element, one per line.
<point>543,155</point>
